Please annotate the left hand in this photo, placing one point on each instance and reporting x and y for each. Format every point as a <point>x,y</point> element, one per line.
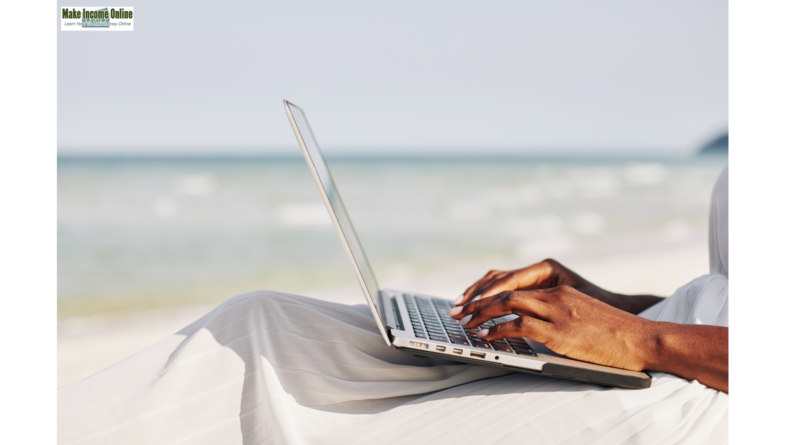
<point>568,322</point>
<point>546,274</point>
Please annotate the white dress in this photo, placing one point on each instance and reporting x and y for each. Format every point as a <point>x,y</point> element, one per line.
<point>274,368</point>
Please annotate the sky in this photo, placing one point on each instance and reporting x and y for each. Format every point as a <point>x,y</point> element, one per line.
<point>208,78</point>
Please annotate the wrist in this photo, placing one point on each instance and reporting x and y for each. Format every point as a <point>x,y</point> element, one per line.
<point>654,344</point>
<point>634,304</point>
<point>618,301</point>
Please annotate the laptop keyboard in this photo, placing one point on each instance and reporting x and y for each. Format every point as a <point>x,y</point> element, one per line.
<point>430,320</point>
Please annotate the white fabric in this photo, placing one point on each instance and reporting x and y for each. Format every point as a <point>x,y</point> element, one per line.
<point>719,225</point>
<point>275,368</point>
<point>705,300</point>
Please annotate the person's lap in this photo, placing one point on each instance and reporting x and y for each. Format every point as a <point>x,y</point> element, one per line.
<point>274,367</point>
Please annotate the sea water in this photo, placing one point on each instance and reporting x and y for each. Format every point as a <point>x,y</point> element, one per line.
<point>136,233</point>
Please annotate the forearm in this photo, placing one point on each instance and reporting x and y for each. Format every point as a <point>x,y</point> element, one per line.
<point>694,352</point>
<point>634,304</point>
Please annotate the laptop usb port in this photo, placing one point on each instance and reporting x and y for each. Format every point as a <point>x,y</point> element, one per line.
<point>418,344</point>
<point>441,348</point>
<point>477,354</point>
<point>457,351</point>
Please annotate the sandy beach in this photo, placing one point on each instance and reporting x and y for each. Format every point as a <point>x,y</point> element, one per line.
<point>91,343</point>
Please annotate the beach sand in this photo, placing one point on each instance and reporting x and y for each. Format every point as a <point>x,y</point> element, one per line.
<point>89,344</point>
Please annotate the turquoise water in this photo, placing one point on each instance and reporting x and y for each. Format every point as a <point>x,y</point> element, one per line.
<point>143,232</point>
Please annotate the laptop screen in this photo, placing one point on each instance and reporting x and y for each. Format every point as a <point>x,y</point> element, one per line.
<point>348,235</point>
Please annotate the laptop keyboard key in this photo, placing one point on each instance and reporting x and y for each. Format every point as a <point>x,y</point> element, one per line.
<point>531,353</point>
<point>502,347</point>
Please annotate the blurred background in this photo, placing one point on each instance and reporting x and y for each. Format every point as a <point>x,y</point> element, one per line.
<point>463,137</point>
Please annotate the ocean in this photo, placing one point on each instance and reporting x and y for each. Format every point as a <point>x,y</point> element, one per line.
<point>141,233</point>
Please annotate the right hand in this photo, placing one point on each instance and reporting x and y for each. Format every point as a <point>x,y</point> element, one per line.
<point>544,275</point>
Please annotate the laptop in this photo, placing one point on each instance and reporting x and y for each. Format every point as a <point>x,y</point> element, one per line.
<point>419,323</point>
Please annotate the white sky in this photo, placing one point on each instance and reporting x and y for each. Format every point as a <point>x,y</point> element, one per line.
<point>201,77</point>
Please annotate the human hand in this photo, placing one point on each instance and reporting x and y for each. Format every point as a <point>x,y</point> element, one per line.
<point>544,275</point>
<point>568,322</point>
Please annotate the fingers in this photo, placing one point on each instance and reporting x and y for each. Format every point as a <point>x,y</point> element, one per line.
<point>541,275</point>
<point>475,290</point>
<point>498,284</point>
<point>459,313</point>
<point>537,276</point>
<point>530,327</point>
<point>521,303</point>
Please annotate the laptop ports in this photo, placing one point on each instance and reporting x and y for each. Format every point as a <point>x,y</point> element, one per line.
<point>457,351</point>
<point>477,354</point>
<point>417,344</point>
<point>441,348</point>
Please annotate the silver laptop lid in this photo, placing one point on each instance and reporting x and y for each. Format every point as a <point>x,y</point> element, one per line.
<point>334,204</point>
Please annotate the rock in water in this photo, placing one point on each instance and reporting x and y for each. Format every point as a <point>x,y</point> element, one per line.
<point>717,146</point>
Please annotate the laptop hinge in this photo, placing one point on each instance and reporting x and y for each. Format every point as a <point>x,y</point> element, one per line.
<point>388,310</point>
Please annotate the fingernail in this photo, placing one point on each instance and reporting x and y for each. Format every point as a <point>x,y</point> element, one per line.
<point>482,333</point>
<point>465,320</point>
<point>458,299</point>
<point>455,311</point>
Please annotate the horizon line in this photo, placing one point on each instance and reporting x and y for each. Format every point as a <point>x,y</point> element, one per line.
<point>265,150</point>
<point>387,157</point>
